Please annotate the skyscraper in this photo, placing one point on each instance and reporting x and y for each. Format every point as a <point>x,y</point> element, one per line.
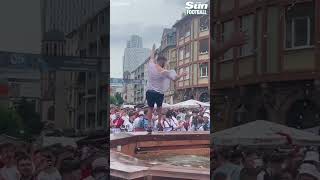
<point>134,54</point>
<point>135,42</point>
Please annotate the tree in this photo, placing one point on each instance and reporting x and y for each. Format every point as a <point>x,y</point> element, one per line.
<point>119,99</point>
<point>10,122</point>
<point>113,100</point>
<point>30,118</point>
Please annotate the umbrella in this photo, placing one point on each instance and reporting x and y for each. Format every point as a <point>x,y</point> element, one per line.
<point>190,104</point>
<point>264,133</point>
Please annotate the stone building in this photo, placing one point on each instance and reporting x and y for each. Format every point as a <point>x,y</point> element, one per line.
<point>275,76</point>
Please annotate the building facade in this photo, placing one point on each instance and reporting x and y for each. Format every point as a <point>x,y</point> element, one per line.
<point>168,50</point>
<point>20,79</point>
<point>87,90</point>
<point>140,73</point>
<point>133,57</point>
<point>193,56</point>
<point>65,16</point>
<point>275,76</point>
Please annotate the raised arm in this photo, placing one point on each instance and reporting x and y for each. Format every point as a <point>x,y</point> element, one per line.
<point>152,55</point>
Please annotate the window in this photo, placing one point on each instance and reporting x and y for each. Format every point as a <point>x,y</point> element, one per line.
<point>300,26</point>
<point>204,23</point>
<point>187,30</point>
<point>227,29</point>
<point>180,72</point>
<point>246,25</point>
<point>173,54</point>
<point>182,32</point>
<point>298,32</point>
<point>204,70</point>
<point>181,52</point>
<point>204,46</point>
<point>187,69</point>
<point>188,49</point>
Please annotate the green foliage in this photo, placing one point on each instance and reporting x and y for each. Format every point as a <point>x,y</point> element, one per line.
<point>119,99</point>
<point>113,100</point>
<point>31,119</point>
<point>10,121</point>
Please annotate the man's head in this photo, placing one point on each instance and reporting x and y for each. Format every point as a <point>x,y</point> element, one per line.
<point>50,159</point>
<point>25,166</point>
<point>161,61</point>
<point>236,157</point>
<point>276,162</point>
<point>251,160</point>
<point>8,153</point>
<point>131,116</point>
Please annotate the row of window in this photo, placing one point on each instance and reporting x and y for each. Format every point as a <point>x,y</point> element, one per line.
<point>298,29</point>
<point>203,71</point>
<point>185,52</point>
<point>185,30</point>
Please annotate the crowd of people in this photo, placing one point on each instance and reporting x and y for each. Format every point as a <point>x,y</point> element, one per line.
<point>184,119</point>
<point>253,164</point>
<point>26,162</point>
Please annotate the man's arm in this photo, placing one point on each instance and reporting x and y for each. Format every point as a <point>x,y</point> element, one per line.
<point>152,55</point>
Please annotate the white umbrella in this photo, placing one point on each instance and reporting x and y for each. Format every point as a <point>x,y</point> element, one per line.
<point>128,106</point>
<point>64,141</point>
<point>264,133</point>
<point>190,104</point>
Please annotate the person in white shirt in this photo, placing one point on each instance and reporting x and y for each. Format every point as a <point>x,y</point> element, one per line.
<point>49,172</point>
<point>129,124</point>
<point>170,123</point>
<point>9,171</point>
<point>158,82</point>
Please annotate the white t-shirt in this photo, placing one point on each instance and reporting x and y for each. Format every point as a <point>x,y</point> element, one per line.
<point>9,173</point>
<point>113,117</point>
<point>136,122</point>
<point>169,123</point>
<point>52,176</point>
<point>129,126</point>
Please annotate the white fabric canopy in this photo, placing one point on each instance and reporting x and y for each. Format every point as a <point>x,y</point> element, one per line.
<point>128,106</point>
<point>190,104</point>
<point>263,133</point>
<point>64,141</point>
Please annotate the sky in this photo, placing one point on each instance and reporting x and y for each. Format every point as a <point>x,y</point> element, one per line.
<point>20,29</point>
<point>146,18</point>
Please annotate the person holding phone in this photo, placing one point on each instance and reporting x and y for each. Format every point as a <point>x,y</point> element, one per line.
<point>158,82</point>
